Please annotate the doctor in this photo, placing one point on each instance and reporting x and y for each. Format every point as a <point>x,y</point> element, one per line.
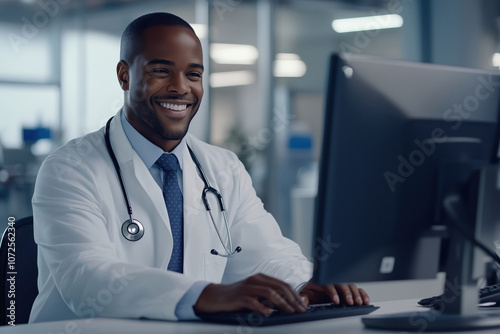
<point>91,264</point>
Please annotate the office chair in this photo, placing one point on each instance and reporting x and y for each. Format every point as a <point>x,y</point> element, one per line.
<point>26,271</point>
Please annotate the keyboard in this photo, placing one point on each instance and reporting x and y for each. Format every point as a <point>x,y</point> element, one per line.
<point>314,312</point>
<point>489,294</point>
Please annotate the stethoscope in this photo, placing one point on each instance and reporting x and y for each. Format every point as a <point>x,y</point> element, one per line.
<point>133,229</point>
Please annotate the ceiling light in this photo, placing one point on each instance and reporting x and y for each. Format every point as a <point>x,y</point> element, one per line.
<point>234,78</point>
<point>495,60</point>
<point>241,54</point>
<point>289,65</point>
<point>374,22</point>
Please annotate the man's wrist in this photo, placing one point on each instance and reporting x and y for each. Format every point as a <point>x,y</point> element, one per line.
<point>184,309</point>
<point>205,298</point>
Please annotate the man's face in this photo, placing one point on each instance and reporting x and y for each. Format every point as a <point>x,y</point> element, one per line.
<point>164,84</point>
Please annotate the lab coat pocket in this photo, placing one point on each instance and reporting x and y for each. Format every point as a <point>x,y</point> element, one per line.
<point>214,267</point>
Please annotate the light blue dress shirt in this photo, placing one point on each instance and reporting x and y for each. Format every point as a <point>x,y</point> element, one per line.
<point>149,153</point>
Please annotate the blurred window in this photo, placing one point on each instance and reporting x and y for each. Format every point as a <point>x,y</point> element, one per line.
<point>24,59</point>
<point>26,106</point>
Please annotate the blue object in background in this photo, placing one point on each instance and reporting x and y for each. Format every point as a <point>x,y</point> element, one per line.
<point>297,142</point>
<point>31,136</point>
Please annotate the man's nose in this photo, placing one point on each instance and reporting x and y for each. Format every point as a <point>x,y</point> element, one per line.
<point>179,84</point>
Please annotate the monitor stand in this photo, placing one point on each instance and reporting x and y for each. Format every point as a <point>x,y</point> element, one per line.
<point>459,309</point>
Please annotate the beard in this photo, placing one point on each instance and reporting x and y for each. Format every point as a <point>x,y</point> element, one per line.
<point>148,115</point>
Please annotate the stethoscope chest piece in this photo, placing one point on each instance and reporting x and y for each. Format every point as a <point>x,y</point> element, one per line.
<point>132,231</point>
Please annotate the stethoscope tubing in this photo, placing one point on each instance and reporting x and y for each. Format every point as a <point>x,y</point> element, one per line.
<point>117,167</point>
<point>132,229</point>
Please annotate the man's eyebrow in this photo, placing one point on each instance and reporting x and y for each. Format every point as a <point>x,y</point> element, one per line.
<point>171,63</point>
<point>161,62</point>
<point>200,66</point>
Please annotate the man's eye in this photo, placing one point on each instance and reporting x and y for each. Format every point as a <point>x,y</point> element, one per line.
<point>160,71</point>
<point>194,74</point>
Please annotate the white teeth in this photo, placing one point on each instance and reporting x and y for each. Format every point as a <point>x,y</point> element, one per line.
<point>172,106</point>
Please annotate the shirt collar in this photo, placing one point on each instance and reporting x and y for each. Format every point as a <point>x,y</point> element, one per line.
<point>147,151</point>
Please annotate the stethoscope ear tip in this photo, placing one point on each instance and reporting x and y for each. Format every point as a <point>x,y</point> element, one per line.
<point>214,252</point>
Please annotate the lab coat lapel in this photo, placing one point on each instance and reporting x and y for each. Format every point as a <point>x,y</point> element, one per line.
<point>142,190</point>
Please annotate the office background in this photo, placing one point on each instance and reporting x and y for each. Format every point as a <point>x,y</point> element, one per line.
<point>264,85</point>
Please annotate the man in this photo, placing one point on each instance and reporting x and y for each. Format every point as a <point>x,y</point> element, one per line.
<point>92,264</point>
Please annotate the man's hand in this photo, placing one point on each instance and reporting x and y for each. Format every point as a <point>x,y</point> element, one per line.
<point>262,293</point>
<point>258,293</point>
<point>346,293</point>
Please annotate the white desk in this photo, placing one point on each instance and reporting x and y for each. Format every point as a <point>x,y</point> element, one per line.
<point>351,325</point>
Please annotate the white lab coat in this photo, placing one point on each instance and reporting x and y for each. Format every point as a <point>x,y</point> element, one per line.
<point>88,269</point>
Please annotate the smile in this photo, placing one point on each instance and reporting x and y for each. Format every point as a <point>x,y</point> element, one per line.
<point>172,106</point>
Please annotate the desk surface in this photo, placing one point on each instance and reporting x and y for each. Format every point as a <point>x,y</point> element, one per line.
<point>350,325</point>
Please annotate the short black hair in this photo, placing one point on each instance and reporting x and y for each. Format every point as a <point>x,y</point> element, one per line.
<point>132,39</point>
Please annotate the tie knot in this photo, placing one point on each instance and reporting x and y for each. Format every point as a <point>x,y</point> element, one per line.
<point>167,162</point>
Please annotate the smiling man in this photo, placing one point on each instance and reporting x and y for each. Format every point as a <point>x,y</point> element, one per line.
<point>163,86</point>
<point>120,223</point>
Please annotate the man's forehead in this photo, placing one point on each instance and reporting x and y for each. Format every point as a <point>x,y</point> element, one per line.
<point>167,42</point>
<point>169,33</point>
<point>165,38</point>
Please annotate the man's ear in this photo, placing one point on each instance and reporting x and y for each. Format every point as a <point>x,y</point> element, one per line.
<point>123,74</point>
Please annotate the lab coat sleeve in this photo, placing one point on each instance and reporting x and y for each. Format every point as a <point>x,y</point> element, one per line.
<point>264,248</point>
<point>74,247</point>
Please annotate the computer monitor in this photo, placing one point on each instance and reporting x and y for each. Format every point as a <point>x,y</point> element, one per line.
<point>398,138</point>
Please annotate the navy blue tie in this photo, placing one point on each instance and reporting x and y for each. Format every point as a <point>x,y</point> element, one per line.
<point>173,199</point>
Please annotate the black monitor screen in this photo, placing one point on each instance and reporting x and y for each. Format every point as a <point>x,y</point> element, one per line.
<point>393,133</point>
